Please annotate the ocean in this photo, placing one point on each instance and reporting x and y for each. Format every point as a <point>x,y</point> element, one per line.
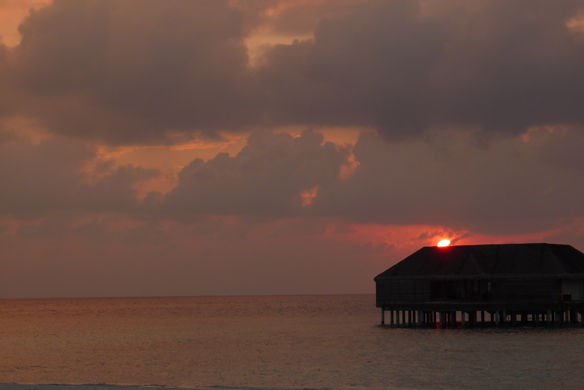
<point>270,342</point>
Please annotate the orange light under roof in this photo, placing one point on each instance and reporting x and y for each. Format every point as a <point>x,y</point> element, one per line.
<point>444,243</point>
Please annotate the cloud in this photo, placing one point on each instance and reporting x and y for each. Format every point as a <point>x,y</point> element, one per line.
<point>11,14</point>
<point>360,68</point>
<point>132,71</point>
<point>136,72</point>
<point>53,176</point>
<point>291,17</point>
<point>445,180</point>
<point>268,177</point>
<point>36,178</point>
<point>563,149</point>
<point>405,67</point>
<point>448,181</point>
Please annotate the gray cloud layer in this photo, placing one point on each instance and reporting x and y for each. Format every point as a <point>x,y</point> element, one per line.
<point>139,71</point>
<point>131,72</point>
<point>265,178</point>
<point>510,187</point>
<point>494,65</point>
<point>49,177</point>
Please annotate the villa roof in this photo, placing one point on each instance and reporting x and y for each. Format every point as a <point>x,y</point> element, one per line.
<point>487,261</point>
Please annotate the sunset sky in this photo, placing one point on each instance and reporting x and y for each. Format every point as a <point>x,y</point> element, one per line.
<point>154,148</point>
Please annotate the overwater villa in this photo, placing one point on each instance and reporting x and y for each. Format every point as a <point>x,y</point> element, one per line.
<point>471,285</point>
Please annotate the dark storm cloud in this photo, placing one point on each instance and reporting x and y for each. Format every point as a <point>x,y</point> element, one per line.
<point>140,71</point>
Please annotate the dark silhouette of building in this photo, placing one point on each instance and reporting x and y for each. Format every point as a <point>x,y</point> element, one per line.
<point>479,284</point>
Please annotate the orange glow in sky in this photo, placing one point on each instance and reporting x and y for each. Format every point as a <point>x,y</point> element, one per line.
<point>308,195</point>
<point>11,15</point>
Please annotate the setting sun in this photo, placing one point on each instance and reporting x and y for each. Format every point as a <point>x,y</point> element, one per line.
<point>444,243</point>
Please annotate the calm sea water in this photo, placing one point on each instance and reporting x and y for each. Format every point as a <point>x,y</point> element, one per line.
<point>287,342</point>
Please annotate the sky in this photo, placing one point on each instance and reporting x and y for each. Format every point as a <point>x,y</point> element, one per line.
<point>250,147</point>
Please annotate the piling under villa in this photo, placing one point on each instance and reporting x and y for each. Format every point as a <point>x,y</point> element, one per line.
<point>480,285</point>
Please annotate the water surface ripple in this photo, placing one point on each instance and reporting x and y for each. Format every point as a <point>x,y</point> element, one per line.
<point>291,342</point>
